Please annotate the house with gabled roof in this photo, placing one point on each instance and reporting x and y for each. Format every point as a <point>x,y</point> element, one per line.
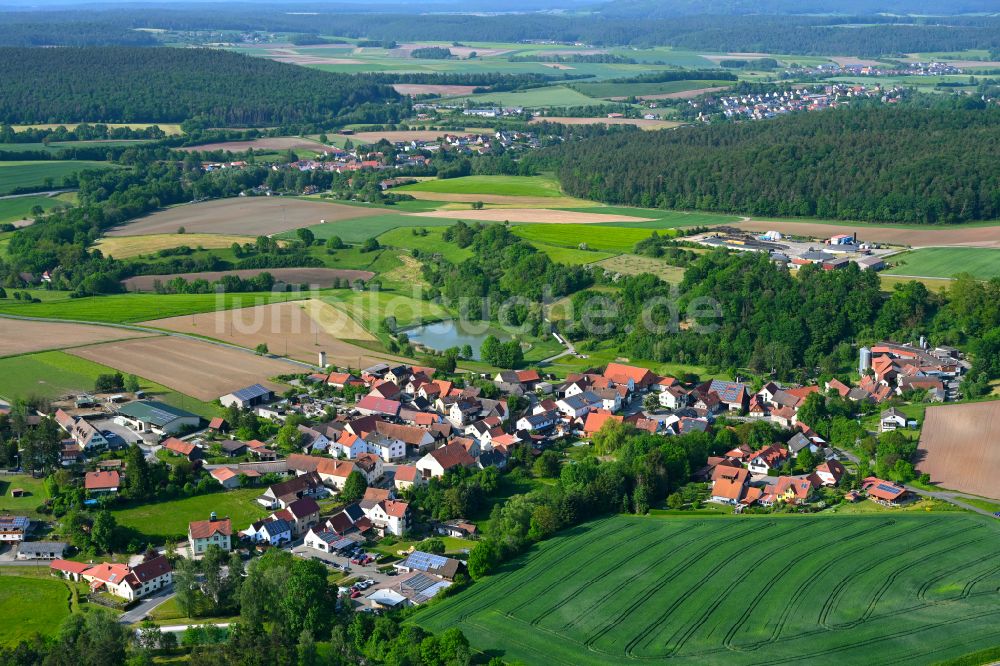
<point>637,379</point>
<point>102,483</point>
<point>211,532</point>
<point>179,447</point>
<point>128,582</point>
<point>439,461</point>
<point>271,530</point>
<point>251,396</point>
<point>729,484</point>
<point>891,419</point>
<point>884,492</point>
<point>372,405</point>
<point>766,459</point>
<point>830,472</point>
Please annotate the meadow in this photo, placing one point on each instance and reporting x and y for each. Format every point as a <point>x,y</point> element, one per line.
<point>128,308</point>
<point>910,588</point>
<point>607,89</point>
<point>19,208</point>
<point>521,186</point>
<point>31,604</point>
<point>35,495</point>
<point>946,262</point>
<point>16,175</point>
<point>534,98</point>
<point>431,242</point>
<point>361,229</point>
<point>160,521</point>
<point>54,374</point>
<point>611,239</point>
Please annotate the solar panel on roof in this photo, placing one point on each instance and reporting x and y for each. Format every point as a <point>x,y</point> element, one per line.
<point>888,489</point>
<point>424,561</point>
<point>251,392</point>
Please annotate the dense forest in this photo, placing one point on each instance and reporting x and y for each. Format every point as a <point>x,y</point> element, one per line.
<point>660,9</point>
<point>126,84</point>
<point>863,33</point>
<point>885,164</point>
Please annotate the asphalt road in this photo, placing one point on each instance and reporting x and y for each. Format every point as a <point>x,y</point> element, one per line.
<point>146,605</point>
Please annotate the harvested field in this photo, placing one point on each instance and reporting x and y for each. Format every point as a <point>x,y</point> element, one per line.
<point>288,329</point>
<point>958,235</point>
<point>123,247</point>
<point>641,123</point>
<point>733,56</point>
<point>556,65</point>
<point>253,216</point>
<point>840,590</point>
<point>274,143</point>
<point>960,447</point>
<point>22,337</point>
<point>199,369</point>
<point>318,277</point>
<point>683,94</point>
<point>540,215</point>
<point>431,89</point>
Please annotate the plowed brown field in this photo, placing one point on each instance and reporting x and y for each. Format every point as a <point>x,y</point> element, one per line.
<point>960,448</point>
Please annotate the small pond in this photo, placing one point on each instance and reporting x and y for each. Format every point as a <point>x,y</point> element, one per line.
<point>443,335</point>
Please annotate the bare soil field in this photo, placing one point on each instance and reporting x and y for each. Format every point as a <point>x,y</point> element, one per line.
<point>22,337</point>
<point>960,447</point>
<point>252,216</point>
<point>683,94</point>
<point>638,122</point>
<point>122,247</point>
<point>318,277</point>
<point>431,89</point>
<point>198,369</point>
<point>288,329</point>
<point>541,215</point>
<point>273,143</point>
<point>933,237</point>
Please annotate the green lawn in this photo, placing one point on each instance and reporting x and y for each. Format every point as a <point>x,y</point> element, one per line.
<point>660,219</point>
<point>31,605</point>
<point>159,521</point>
<point>521,186</point>
<point>14,175</point>
<point>20,208</point>
<point>369,308</point>
<point>128,308</point>
<point>611,239</point>
<point>22,506</point>
<point>918,587</point>
<point>946,262</point>
<point>54,373</point>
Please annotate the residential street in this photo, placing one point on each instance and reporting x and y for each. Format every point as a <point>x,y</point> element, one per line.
<point>146,605</point>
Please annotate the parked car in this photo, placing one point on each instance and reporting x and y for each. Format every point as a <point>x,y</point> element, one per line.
<point>355,594</point>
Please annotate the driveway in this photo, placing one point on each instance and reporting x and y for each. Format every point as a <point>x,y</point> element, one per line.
<point>145,606</point>
<point>356,571</point>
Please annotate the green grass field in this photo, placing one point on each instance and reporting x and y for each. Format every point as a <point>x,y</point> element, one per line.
<point>611,239</point>
<point>162,520</point>
<point>837,590</point>
<point>361,229</point>
<point>22,506</point>
<point>54,373</point>
<point>31,605</point>
<point>369,308</point>
<point>605,89</point>
<point>432,243</point>
<point>125,308</point>
<point>519,186</point>
<point>14,175</point>
<point>946,262</point>
<point>20,208</point>
<point>571,255</point>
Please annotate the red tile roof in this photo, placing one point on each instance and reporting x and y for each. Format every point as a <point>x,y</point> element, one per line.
<point>101,480</point>
<point>206,529</point>
<point>598,418</point>
<point>177,446</point>
<point>406,473</point>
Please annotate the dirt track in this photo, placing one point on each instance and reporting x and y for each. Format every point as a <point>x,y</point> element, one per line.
<point>960,448</point>
<point>956,235</point>
<point>22,337</point>
<point>319,277</point>
<point>199,369</point>
<point>249,216</point>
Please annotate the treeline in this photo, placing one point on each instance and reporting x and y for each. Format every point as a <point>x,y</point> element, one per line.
<point>122,84</point>
<point>860,164</point>
<point>483,81</point>
<point>70,33</point>
<point>431,53</point>
<point>739,310</point>
<point>81,132</point>
<point>607,58</point>
<point>656,9</point>
<point>864,32</point>
<point>678,75</point>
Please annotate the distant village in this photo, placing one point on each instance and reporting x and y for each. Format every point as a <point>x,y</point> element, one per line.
<point>761,106</point>
<point>833,253</point>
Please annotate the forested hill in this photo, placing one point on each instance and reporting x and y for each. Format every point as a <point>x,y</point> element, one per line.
<point>878,164</point>
<point>131,84</point>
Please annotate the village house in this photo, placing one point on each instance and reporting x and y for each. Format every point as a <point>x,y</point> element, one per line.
<point>102,483</point>
<point>128,582</point>
<point>273,531</point>
<point>891,419</point>
<point>884,492</point>
<point>370,465</point>
<point>179,447</point>
<point>457,528</point>
<point>830,472</point>
<point>227,477</point>
<point>41,550</point>
<point>637,379</point>
<point>439,461</point>
<point>406,477</point>
<point>729,484</point>
<point>390,517</point>
<point>768,458</point>
<point>438,565</point>
<point>280,495</point>
<point>86,436</point>
<point>673,397</point>
<point>211,532</point>
<point>301,515</point>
